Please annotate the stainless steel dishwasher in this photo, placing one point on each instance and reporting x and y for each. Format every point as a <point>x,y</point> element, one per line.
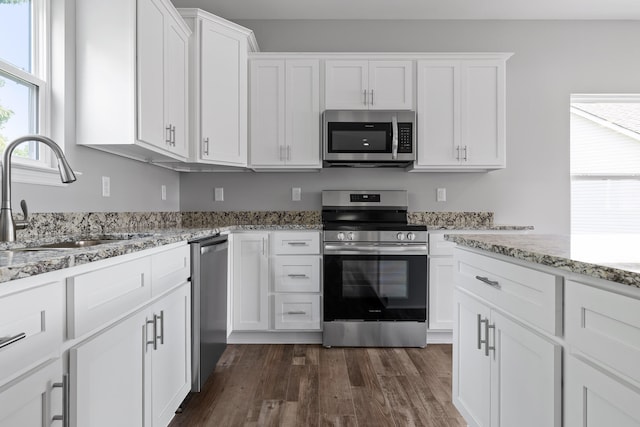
<point>208,305</point>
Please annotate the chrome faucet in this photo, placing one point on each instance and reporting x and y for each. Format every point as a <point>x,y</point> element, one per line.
<point>8,225</point>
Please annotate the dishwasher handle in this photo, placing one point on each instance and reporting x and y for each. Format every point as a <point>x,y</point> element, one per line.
<point>217,247</point>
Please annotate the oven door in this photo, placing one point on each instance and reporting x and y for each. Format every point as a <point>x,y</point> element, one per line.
<point>375,286</point>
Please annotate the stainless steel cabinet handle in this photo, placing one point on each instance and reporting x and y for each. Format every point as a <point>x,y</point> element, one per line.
<point>480,340</point>
<point>465,153</point>
<point>298,276</point>
<point>486,331</point>
<point>365,96</point>
<point>161,318</point>
<point>205,146</point>
<point>296,312</point>
<point>7,341</point>
<point>281,153</point>
<point>486,280</point>
<point>65,401</point>
<point>173,136</point>
<point>458,152</point>
<point>298,243</point>
<point>371,96</point>
<point>167,138</point>
<point>288,152</point>
<point>154,341</point>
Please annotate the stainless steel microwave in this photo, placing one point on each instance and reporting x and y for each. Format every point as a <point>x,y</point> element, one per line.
<point>364,138</point>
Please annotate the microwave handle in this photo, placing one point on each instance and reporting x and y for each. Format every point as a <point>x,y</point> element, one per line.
<point>394,139</point>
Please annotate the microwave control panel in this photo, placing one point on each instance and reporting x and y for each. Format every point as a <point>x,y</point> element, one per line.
<point>405,138</point>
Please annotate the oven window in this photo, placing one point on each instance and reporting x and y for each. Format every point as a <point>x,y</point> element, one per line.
<point>375,279</point>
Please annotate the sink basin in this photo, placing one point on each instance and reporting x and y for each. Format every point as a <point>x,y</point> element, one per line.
<point>68,245</point>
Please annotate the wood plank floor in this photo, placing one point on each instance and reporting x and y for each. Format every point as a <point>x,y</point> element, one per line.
<point>309,385</point>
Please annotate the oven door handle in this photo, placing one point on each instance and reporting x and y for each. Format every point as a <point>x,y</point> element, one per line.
<point>330,249</point>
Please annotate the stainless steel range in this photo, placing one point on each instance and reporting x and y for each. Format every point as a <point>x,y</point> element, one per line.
<point>375,271</point>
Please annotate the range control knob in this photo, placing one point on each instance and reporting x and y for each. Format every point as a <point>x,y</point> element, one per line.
<point>340,236</point>
<point>400,236</point>
<point>411,236</point>
<point>350,236</point>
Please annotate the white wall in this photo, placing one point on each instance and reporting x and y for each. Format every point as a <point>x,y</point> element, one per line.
<point>552,59</point>
<point>135,186</point>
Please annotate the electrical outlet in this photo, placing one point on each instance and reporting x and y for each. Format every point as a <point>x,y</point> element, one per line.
<point>106,186</point>
<point>163,192</point>
<point>218,194</point>
<point>441,195</point>
<point>295,194</point>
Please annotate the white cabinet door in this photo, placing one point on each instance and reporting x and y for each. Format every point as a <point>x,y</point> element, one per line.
<point>526,376</point>
<point>483,112</point>
<point>438,100</point>
<point>250,269</point>
<point>106,374</point>
<point>593,398</point>
<point>390,85</point>
<point>346,85</point>
<point>471,367</point>
<point>171,361</point>
<point>176,88</point>
<point>32,401</point>
<point>302,117</point>
<point>223,91</point>
<point>151,73</point>
<point>441,293</point>
<point>268,145</point>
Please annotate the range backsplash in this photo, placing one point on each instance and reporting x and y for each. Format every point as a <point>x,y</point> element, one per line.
<point>57,223</point>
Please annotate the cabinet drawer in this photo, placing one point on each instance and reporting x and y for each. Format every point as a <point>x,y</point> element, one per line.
<point>296,274</point>
<point>439,246</point>
<point>605,326</point>
<point>170,268</point>
<point>296,243</point>
<point>528,294</point>
<point>297,312</point>
<point>31,327</point>
<point>100,296</point>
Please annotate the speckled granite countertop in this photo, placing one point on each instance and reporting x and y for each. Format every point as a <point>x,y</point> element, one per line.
<point>609,257</point>
<point>17,264</point>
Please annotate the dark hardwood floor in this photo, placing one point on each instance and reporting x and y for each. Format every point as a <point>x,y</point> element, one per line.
<point>309,385</point>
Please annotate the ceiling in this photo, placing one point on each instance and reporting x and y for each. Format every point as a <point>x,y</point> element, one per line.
<point>419,9</point>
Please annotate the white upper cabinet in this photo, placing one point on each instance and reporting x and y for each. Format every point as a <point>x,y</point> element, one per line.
<point>131,79</point>
<point>285,113</point>
<point>218,89</point>
<point>461,114</point>
<point>368,85</point>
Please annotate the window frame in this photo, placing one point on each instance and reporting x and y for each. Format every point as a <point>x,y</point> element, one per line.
<point>42,171</point>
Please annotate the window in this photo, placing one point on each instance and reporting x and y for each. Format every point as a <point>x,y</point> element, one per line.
<point>23,76</point>
<point>605,170</point>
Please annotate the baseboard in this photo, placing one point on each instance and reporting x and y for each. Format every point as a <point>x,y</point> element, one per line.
<point>439,337</point>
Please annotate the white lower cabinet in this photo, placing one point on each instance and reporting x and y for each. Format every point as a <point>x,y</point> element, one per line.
<point>250,272</point>
<point>441,293</point>
<point>505,374</point>
<point>593,398</point>
<point>34,399</point>
<point>602,378</point>
<point>136,372</point>
<point>275,283</point>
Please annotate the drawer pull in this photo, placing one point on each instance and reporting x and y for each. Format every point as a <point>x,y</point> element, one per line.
<point>4,342</point>
<point>296,312</point>
<point>486,280</point>
<point>65,401</point>
<point>298,276</point>
<point>298,243</point>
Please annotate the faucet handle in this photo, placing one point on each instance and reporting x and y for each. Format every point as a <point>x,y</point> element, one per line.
<point>23,223</point>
